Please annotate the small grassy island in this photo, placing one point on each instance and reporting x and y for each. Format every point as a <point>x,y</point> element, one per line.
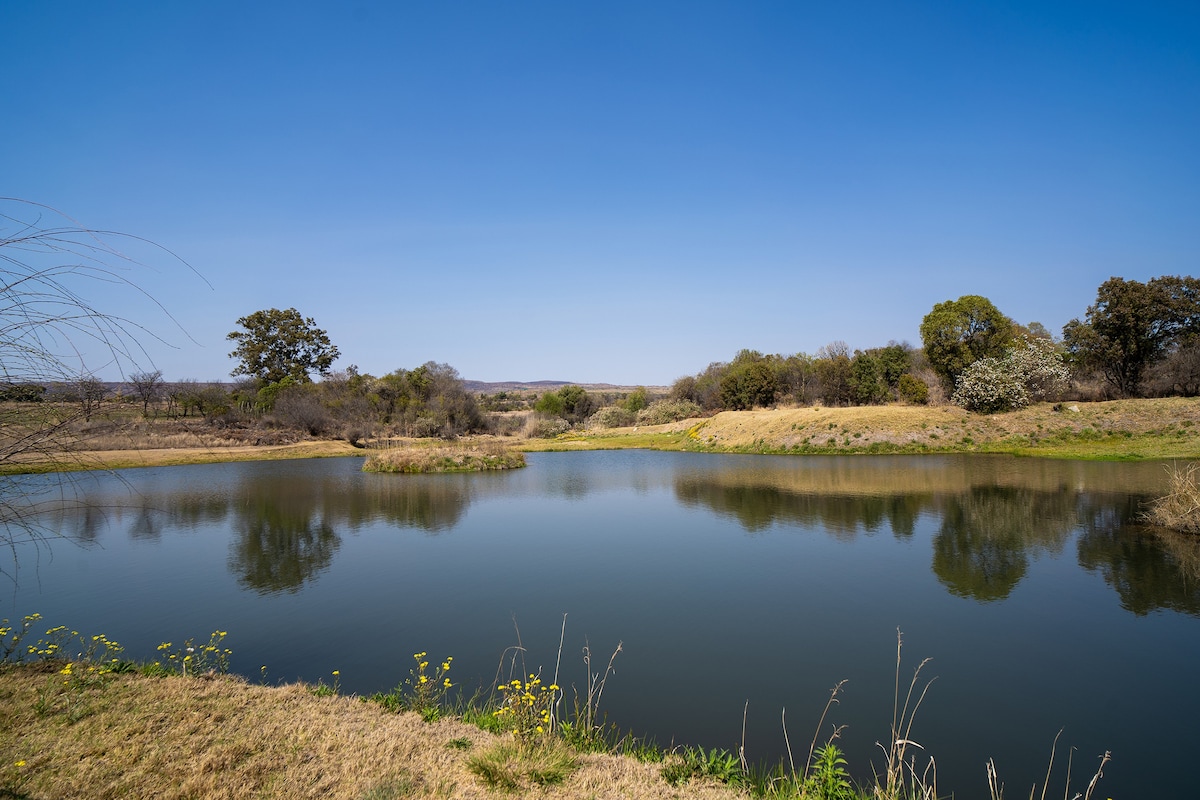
<point>418,460</point>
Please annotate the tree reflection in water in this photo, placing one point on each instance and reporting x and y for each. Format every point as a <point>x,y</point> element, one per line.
<point>1150,569</point>
<point>283,536</point>
<point>986,535</point>
<point>757,508</point>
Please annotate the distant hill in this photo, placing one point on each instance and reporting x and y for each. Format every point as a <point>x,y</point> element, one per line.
<point>491,387</point>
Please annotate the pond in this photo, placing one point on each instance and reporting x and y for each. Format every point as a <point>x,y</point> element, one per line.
<point>737,585</point>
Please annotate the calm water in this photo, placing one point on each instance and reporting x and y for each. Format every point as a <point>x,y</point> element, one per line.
<point>1041,602</point>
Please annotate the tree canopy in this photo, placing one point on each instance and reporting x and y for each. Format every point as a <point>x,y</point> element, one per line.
<point>1133,326</point>
<point>957,333</point>
<point>280,344</point>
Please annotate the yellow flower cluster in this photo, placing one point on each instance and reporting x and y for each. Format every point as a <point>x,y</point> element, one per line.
<point>210,657</point>
<point>426,691</point>
<point>526,707</point>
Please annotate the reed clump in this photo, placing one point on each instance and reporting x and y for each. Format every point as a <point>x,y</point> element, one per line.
<point>466,458</point>
<point>1179,508</point>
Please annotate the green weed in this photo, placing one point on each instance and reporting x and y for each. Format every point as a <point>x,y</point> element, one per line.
<point>696,762</point>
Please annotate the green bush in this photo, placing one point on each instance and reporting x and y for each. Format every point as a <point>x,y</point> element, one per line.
<point>913,390</point>
<point>636,400</point>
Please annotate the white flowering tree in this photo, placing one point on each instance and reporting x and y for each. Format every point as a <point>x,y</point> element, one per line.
<point>1031,371</point>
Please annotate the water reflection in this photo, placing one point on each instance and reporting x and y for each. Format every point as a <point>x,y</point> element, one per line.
<point>286,531</point>
<point>993,517</point>
<point>988,518</point>
<point>987,535</point>
<point>1148,569</point>
<point>282,536</point>
<point>760,508</point>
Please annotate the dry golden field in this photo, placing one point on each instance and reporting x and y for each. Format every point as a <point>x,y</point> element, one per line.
<point>220,737</point>
<point>1119,429</point>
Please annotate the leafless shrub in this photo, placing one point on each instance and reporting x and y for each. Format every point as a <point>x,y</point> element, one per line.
<point>539,427</point>
<point>611,417</point>
<point>660,412</point>
<point>301,410</point>
<point>507,424</point>
<point>50,333</point>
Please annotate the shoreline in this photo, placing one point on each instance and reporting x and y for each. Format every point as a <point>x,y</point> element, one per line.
<point>1117,430</point>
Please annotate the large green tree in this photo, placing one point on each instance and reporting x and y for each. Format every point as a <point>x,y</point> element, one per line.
<point>748,385</point>
<point>957,333</point>
<point>279,344</point>
<point>1133,326</point>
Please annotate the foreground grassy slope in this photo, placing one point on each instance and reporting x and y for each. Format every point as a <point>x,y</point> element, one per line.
<point>215,737</point>
<point>1121,429</point>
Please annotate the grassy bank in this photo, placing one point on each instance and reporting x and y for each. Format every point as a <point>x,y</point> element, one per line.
<point>1115,430</point>
<point>221,737</point>
<point>176,456</point>
<point>98,726</point>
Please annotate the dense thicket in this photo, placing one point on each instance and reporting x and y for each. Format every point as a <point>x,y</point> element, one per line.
<point>833,376</point>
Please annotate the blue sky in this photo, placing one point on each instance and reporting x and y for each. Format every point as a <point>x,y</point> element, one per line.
<point>607,192</point>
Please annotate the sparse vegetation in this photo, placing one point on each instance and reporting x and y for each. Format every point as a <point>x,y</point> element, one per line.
<point>1179,508</point>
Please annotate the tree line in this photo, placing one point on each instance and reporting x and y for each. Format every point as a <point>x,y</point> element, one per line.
<point>1137,340</point>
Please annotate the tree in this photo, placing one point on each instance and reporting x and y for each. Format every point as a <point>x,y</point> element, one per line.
<point>835,372</point>
<point>278,344</point>
<point>957,333</point>
<point>749,382</point>
<point>636,400</point>
<point>571,402</point>
<point>1031,371</point>
<point>430,400</point>
<point>1132,326</point>
<point>148,387</point>
<point>866,379</point>
<point>89,392</point>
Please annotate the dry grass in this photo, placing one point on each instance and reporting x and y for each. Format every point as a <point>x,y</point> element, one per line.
<point>1179,508</point>
<point>1120,429</point>
<point>220,737</point>
<point>163,457</point>
<point>479,457</point>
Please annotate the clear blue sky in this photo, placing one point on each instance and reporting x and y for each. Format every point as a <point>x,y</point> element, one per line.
<point>613,191</point>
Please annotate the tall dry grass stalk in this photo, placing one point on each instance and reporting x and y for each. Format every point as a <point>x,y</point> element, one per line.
<point>1179,508</point>
<point>901,777</point>
<point>996,788</point>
